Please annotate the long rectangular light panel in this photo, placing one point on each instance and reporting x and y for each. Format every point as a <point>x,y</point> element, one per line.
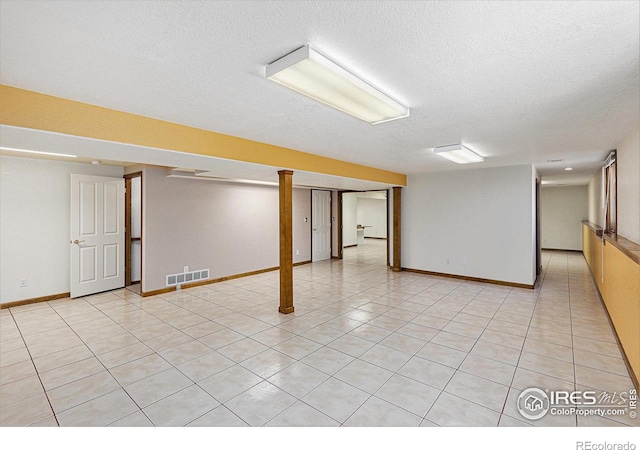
<point>37,152</point>
<point>309,73</point>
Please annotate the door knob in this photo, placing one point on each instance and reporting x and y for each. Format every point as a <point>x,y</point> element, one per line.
<point>77,242</point>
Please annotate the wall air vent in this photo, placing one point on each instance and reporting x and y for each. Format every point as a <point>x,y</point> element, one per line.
<point>187,277</point>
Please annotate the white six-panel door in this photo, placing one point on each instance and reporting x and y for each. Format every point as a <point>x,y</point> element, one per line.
<point>321,225</point>
<point>97,234</point>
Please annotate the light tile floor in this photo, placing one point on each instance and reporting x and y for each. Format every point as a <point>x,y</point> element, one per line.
<point>365,347</point>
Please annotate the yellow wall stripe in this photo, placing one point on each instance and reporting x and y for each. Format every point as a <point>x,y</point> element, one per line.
<point>28,109</point>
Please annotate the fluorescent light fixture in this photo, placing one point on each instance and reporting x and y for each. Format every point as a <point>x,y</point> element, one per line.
<point>458,154</point>
<point>568,168</point>
<point>309,73</point>
<point>198,175</point>
<point>37,152</point>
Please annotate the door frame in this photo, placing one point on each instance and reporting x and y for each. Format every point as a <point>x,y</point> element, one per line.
<point>538,230</point>
<point>330,222</point>
<point>340,225</point>
<point>127,224</point>
<point>340,247</point>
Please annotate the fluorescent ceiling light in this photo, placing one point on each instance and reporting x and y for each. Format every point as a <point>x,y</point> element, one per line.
<point>199,175</point>
<point>568,168</point>
<point>37,152</point>
<point>309,73</point>
<point>458,154</point>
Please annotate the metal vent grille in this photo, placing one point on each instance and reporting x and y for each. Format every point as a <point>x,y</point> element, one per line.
<point>187,277</point>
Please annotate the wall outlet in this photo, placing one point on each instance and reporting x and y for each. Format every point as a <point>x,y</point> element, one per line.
<point>23,282</point>
<point>448,261</point>
<point>186,269</point>
<point>297,252</point>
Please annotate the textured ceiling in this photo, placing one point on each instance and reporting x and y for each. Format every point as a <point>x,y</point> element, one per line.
<point>518,82</point>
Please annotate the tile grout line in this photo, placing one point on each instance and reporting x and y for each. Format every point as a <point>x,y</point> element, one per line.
<point>449,380</point>
<point>573,352</point>
<point>34,367</point>
<point>105,368</point>
<point>544,274</point>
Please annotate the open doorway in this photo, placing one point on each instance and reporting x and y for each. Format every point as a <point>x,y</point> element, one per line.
<point>133,233</point>
<point>364,227</point>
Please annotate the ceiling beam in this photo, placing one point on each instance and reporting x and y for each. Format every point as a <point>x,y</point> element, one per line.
<point>28,109</point>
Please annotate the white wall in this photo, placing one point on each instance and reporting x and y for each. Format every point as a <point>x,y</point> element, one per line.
<point>35,224</point>
<point>537,221</point>
<point>373,213</point>
<point>480,220</point>
<point>563,210</point>
<point>225,227</point>
<point>349,218</point>
<point>628,162</point>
